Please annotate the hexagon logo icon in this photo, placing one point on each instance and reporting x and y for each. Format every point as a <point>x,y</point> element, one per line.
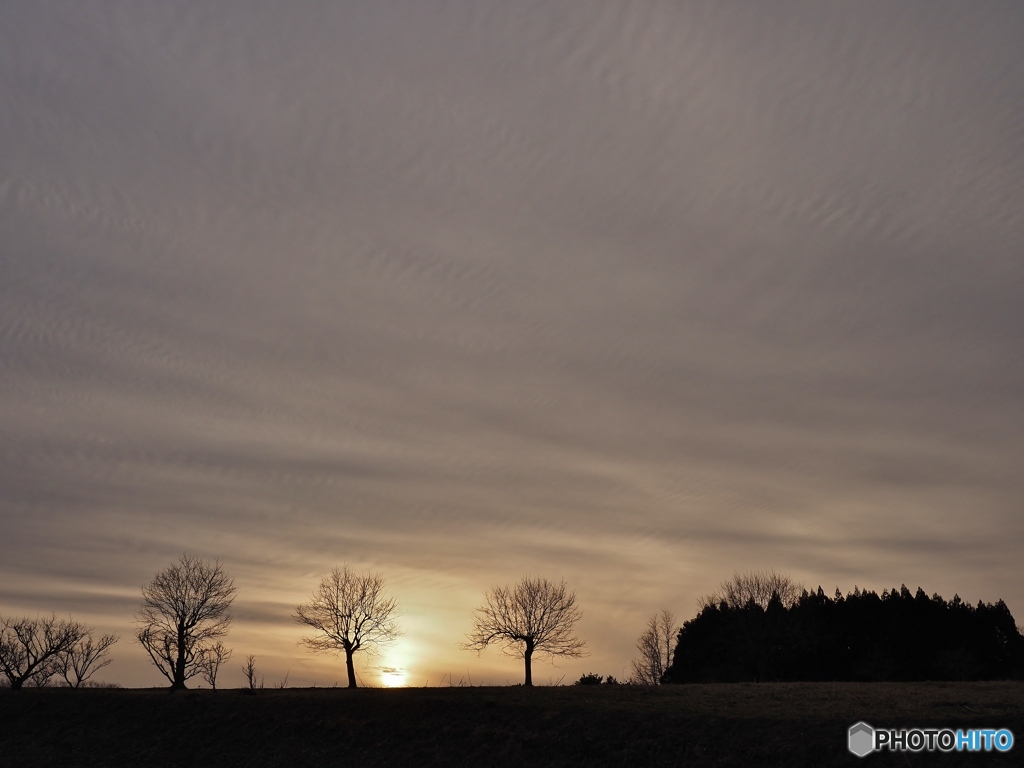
<point>861,739</point>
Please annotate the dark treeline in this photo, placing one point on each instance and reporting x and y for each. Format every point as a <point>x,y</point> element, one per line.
<point>895,636</point>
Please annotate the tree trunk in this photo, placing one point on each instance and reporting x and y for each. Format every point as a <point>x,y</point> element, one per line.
<point>528,656</point>
<point>351,669</point>
<point>178,683</point>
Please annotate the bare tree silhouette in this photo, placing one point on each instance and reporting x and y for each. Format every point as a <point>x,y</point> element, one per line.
<point>533,618</point>
<point>655,646</point>
<point>30,649</point>
<point>212,659</point>
<point>185,610</point>
<point>758,586</point>
<point>85,658</point>
<point>249,670</point>
<point>350,612</point>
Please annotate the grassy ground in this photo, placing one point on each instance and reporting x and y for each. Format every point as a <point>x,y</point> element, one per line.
<point>780,724</point>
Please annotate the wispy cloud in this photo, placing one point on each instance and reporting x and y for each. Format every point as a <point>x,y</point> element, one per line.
<point>631,295</point>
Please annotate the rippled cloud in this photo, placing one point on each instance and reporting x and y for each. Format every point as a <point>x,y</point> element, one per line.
<point>634,295</point>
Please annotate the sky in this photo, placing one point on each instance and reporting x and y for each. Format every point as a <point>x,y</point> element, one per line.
<point>634,295</point>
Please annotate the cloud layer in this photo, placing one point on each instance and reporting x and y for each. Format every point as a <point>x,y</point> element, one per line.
<point>635,295</point>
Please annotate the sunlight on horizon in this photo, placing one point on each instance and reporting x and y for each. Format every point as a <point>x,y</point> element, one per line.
<point>393,678</point>
<point>392,671</point>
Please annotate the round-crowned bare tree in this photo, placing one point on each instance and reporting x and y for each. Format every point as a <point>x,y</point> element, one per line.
<point>534,618</point>
<point>185,612</point>
<point>350,613</point>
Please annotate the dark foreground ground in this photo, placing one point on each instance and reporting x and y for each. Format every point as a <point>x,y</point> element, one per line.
<point>775,724</point>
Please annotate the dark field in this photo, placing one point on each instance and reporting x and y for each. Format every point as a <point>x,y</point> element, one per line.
<point>780,724</point>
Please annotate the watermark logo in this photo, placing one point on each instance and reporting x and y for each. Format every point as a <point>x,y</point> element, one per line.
<point>862,739</point>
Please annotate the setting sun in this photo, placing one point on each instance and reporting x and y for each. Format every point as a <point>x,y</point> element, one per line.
<point>392,678</point>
